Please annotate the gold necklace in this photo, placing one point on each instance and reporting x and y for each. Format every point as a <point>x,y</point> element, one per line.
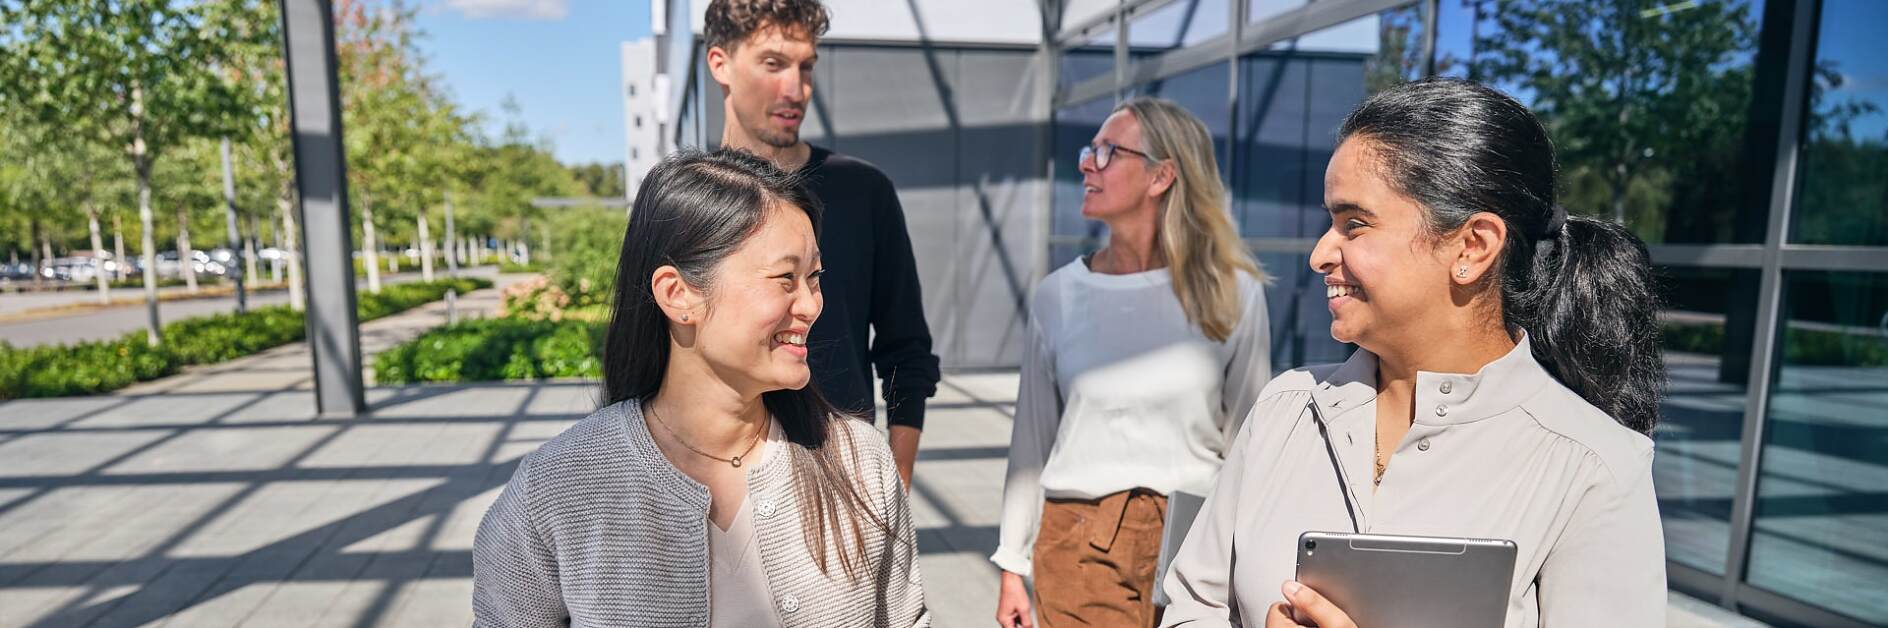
<point>1381,465</point>
<point>736,461</point>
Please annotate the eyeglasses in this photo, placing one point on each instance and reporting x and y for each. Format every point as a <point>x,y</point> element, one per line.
<point>1103,154</point>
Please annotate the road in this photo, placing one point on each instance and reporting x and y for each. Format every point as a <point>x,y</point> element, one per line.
<point>115,321</point>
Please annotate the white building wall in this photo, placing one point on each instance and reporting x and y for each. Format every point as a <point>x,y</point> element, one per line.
<point>645,100</point>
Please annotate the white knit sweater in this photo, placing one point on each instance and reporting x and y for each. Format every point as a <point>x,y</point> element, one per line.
<point>597,528</point>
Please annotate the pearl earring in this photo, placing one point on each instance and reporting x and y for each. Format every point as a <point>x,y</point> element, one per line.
<point>684,318</point>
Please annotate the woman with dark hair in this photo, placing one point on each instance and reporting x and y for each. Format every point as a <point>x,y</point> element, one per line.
<point>716,488</point>
<point>1508,377</point>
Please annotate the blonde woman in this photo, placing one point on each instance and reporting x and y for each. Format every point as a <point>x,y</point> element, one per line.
<point>1140,362</point>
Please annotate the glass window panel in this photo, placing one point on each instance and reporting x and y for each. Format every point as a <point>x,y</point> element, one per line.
<point>1822,492</point>
<point>1301,320</point>
<point>1708,324</point>
<point>1648,105</point>
<point>1075,126</point>
<point>1291,100</point>
<point>1260,10</point>
<point>1092,57</point>
<point>1843,198</point>
<point>1201,91</point>
<point>1175,25</point>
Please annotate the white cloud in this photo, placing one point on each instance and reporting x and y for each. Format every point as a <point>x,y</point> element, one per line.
<point>528,9</point>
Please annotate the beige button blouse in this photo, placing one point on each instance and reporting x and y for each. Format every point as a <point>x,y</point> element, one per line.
<point>1505,453</point>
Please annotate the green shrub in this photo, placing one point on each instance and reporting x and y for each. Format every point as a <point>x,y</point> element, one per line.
<point>1705,338</point>
<point>1811,347</point>
<point>508,348</point>
<point>589,240</point>
<point>219,337</point>
<point>1807,347</point>
<point>105,365</point>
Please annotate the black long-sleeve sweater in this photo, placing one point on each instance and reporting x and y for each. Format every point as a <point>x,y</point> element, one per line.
<point>874,313</point>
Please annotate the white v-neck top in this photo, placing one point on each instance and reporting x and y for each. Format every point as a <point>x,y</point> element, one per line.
<point>738,595</point>
<point>1504,453</point>
<point>1118,391</point>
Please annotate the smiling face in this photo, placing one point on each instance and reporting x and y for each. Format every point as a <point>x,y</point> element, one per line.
<point>1383,273</point>
<point>1125,186</point>
<point>769,80</point>
<point>765,298</point>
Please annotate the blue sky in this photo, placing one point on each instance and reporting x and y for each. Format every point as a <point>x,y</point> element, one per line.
<point>559,58</point>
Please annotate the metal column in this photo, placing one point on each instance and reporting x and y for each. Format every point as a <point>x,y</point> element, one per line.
<point>321,179</point>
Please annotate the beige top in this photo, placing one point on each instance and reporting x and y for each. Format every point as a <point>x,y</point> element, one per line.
<point>738,595</point>
<point>1506,453</point>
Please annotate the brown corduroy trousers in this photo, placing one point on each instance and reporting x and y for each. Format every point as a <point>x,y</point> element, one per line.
<point>1094,560</point>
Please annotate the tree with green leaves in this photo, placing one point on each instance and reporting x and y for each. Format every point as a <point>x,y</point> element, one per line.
<point>405,140</point>
<point>1636,93</point>
<point>135,76</point>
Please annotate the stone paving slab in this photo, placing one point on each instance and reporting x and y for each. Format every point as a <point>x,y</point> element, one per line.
<point>215,498</point>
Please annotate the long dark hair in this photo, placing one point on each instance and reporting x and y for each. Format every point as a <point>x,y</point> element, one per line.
<point>693,210</point>
<point>1581,287</point>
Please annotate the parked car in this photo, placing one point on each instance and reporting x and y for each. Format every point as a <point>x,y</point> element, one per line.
<point>200,263</point>
<point>78,269</point>
<point>22,271</point>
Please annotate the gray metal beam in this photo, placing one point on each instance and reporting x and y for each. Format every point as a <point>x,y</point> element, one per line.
<point>1310,18</point>
<point>1839,258</point>
<point>1071,34</point>
<point>1042,104</point>
<point>1707,255</point>
<point>1763,359</point>
<point>321,179</point>
<point>1250,38</point>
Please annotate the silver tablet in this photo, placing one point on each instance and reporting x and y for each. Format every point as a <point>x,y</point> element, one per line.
<point>1414,581</point>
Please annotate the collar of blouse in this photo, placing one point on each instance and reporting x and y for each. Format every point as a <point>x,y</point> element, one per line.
<point>1441,398</point>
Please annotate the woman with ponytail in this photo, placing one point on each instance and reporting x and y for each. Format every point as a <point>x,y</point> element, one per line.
<point>1139,363</point>
<point>1508,377</point>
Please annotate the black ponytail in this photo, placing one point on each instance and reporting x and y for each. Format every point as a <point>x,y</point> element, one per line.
<point>1581,287</point>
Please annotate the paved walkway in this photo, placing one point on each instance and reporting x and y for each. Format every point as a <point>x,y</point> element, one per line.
<point>214,498</point>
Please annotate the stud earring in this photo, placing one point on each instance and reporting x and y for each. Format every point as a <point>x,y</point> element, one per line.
<point>684,318</point>
<point>1462,272</point>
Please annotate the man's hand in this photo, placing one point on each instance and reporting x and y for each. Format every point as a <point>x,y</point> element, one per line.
<point>905,450</point>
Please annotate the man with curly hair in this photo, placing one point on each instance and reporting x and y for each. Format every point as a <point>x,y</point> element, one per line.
<point>762,54</point>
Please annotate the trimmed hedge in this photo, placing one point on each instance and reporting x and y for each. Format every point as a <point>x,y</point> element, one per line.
<point>495,349</point>
<point>1803,347</point>
<point>105,365</point>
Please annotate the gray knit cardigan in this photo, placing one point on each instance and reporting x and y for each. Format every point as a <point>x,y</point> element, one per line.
<point>597,528</point>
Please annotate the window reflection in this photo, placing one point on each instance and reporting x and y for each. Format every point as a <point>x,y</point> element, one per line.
<point>1648,105</point>
<point>1088,59</point>
<point>1843,198</point>
<point>1070,234</point>
<point>1177,24</point>
<point>1292,99</point>
<point>1822,492</point>
<point>1707,335</point>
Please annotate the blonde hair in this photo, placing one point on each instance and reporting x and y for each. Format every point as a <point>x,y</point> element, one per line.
<point>1196,233</point>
